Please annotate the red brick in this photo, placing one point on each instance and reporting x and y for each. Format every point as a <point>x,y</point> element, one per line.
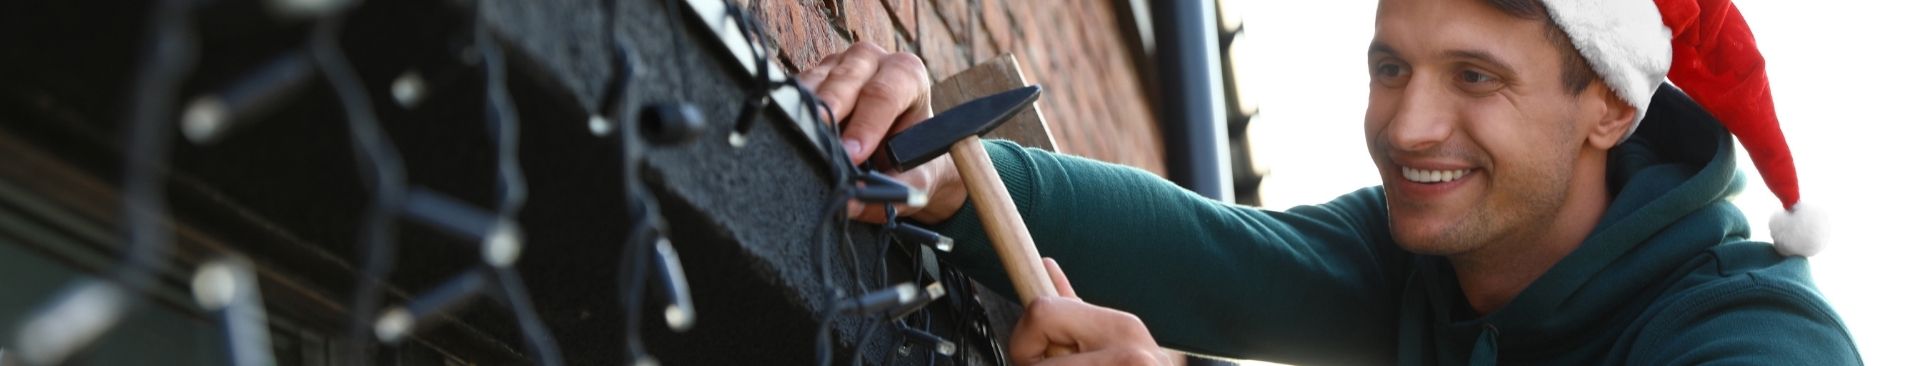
<point>901,43</point>
<point>980,47</point>
<point>869,21</point>
<point>830,7</point>
<point>1110,65</point>
<point>997,24</point>
<point>1094,102</point>
<point>953,13</point>
<point>803,33</point>
<point>903,12</point>
<point>1033,46</point>
<point>942,53</point>
<point>1063,47</point>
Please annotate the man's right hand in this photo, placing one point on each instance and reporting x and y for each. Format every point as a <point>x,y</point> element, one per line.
<point>1064,331</point>
<point>873,93</point>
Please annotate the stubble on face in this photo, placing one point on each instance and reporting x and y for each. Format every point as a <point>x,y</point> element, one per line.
<point>1521,140</point>
<point>1524,197</point>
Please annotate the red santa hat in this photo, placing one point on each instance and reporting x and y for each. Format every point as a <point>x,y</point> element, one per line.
<point>1705,48</point>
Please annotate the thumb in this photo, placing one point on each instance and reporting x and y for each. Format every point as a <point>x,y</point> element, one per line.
<point>1059,279</point>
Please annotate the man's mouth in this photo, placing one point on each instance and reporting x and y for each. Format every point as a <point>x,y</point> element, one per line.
<point>1432,176</point>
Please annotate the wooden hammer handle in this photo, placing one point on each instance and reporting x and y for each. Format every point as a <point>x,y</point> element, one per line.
<point>1007,230</point>
<point>1002,220</point>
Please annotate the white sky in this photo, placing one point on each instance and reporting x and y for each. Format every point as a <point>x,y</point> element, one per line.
<point>1844,85</point>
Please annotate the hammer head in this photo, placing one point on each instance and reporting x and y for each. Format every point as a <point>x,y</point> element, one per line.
<point>931,138</point>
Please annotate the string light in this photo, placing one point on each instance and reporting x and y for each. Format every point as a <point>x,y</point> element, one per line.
<point>227,285</point>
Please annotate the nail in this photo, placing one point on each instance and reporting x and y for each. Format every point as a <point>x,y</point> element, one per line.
<point>853,146</point>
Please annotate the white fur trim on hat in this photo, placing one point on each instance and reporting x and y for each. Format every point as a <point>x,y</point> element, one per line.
<point>1625,42</point>
<point>1799,232</point>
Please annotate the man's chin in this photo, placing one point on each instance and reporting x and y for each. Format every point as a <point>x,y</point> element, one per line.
<point>1428,238</point>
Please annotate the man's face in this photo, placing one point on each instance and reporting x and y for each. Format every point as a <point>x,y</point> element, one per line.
<point>1469,124</point>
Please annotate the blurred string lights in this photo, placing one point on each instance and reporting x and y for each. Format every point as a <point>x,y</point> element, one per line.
<point>227,285</point>
<point>901,307</point>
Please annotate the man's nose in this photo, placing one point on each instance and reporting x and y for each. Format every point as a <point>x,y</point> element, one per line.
<point>1426,117</point>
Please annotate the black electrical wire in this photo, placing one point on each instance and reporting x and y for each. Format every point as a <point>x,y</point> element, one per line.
<point>822,346</point>
<point>840,164</point>
<point>918,278</point>
<point>673,20</point>
<point>636,258</point>
<point>167,55</point>
<point>925,317</point>
<point>611,19</point>
<point>853,261</point>
<point>835,211</point>
<point>880,265</point>
<point>680,309</point>
<point>633,286</point>
<point>171,52</point>
<point>971,317</point>
<point>503,126</point>
<point>381,170</point>
<point>842,177</point>
<point>510,185</point>
<point>513,290</point>
<point>762,81</point>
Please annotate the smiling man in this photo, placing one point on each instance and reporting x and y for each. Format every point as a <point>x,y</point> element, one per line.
<point>1491,138</point>
<point>1545,199</point>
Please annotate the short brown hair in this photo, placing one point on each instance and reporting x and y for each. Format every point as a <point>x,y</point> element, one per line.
<point>1575,73</point>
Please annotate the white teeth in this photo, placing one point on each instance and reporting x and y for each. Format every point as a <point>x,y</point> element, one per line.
<point>1432,176</point>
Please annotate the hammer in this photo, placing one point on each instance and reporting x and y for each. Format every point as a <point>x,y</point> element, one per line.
<point>957,131</point>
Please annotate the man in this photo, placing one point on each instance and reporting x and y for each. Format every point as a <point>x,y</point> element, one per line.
<point>1544,199</point>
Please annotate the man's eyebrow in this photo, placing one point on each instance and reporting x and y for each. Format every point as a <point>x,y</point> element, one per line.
<point>1482,56</point>
<point>1379,47</point>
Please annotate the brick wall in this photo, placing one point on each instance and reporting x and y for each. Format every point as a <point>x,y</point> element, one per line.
<point>1094,100</point>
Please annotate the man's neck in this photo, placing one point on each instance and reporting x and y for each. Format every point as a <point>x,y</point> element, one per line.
<point>1493,275</point>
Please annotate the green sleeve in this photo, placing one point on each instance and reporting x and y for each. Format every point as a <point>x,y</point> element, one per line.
<point>1755,320</point>
<point>1312,284</point>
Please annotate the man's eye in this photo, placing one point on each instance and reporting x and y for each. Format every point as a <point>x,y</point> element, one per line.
<point>1388,70</point>
<point>1478,82</point>
<point>1389,74</point>
<point>1474,77</point>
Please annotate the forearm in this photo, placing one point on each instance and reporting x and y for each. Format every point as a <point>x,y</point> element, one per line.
<point>1205,275</point>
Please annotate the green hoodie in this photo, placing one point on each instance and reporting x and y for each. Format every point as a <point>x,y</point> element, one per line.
<point>1667,276</point>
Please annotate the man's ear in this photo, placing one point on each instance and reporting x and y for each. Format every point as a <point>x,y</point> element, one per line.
<point>1615,117</point>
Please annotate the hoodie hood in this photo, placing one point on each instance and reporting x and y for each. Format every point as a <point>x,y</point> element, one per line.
<point>1669,180</point>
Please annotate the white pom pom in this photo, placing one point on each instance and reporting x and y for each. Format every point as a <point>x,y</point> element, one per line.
<point>1799,232</point>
